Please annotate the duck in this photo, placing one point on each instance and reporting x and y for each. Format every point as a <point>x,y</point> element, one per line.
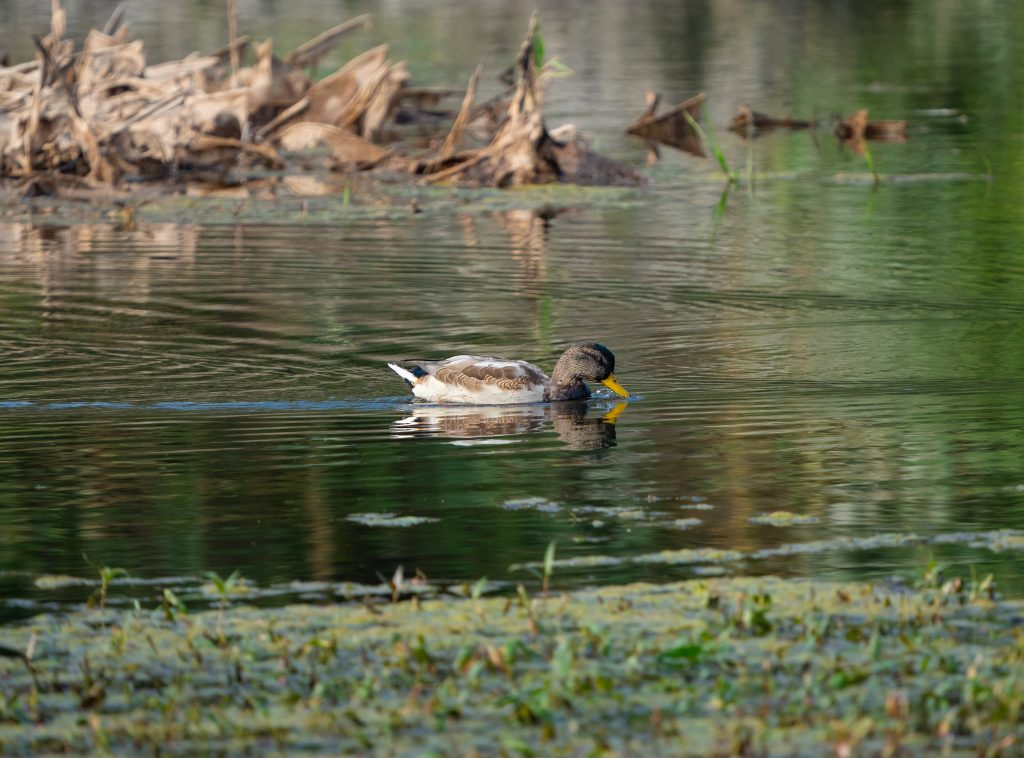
<point>489,380</point>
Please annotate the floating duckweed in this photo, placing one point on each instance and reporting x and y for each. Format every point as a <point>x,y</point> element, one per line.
<point>532,504</point>
<point>1005,542</point>
<point>690,555</point>
<point>59,581</point>
<point>711,570</point>
<point>695,507</point>
<point>388,519</point>
<point>872,542</point>
<point>624,512</point>
<point>579,561</point>
<point>683,523</point>
<point>994,540</point>
<point>782,518</point>
<point>627,669</point>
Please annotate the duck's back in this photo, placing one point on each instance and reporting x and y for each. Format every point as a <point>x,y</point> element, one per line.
<point>480,379</point>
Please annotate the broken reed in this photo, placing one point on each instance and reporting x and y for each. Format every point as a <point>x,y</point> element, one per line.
<point>713,147</point>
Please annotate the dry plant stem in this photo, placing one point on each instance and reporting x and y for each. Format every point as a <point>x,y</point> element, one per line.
<point>58,21</point>
<point>515,145</point>
<point>463,118</point>
<point>80,117</point>
<point>307,54</point>
<point>523,151</point>
<point>283,118</point>
<point>115,20</point>
<point>232,36</point>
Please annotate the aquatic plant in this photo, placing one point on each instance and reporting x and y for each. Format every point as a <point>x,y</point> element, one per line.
<point>389,519</point>
<point>870,160</point>
<point>711,666</point>
<point>783,518</point>
<point>549,566</point>
<point>708,138</point>
<point>107,575</point>
<point>224,588</point>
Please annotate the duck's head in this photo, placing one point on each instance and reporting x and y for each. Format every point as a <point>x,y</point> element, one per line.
<point>588,361</point>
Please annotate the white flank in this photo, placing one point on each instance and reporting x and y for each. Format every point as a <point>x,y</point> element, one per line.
<point>430,388</point>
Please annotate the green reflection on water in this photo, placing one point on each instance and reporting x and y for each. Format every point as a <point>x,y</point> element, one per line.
<point>826,347</point>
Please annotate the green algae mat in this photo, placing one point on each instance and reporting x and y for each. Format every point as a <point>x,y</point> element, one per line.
<point>751,666</point>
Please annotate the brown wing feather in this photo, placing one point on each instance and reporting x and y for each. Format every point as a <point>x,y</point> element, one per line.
<point>456,378</point>
<point>474,373</point>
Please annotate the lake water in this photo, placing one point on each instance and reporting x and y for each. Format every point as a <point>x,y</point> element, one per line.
<point>198,394</point>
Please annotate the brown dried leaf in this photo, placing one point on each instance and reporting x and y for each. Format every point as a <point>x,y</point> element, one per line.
<point>671,128</point>
<point>463,118</point>
<point>748,122</point>
<point>275,84</point>
<point>345,147</point>
<point>331,98</point>
<point>524,152</point>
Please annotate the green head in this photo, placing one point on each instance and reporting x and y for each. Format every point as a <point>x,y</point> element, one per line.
<point>587,361</point>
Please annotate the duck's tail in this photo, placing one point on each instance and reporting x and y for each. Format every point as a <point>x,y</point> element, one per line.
<point>409,377</point>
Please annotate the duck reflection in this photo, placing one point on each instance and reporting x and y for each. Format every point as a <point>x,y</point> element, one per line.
<point>578,426</point>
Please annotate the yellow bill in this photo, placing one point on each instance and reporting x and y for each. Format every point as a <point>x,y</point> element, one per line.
<point>612,384</point>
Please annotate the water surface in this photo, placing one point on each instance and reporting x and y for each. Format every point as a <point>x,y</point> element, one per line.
<point>188,396</point>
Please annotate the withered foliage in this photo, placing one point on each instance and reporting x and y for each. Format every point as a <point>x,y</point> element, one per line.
<point>100,115</point>
<point>671,127</point>
<point>855,129</point>
<point>748,122</point>
<point>523,150</point>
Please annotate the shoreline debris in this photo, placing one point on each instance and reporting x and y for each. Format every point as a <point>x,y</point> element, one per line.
<point>855,129</point>
<point>523,150</point>
<point>77,120</point>
<point>671,127</point>
<point>103,116</point>
<point>748,122</point>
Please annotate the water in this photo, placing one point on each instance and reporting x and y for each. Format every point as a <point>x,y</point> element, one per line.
<point>191,396</point>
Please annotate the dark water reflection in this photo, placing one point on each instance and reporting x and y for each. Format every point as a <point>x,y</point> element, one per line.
<point>189,396</point>
<point>491,424</point>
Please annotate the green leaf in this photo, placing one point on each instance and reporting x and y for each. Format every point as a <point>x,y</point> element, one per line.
<point>478,588</point>
<point>549,559</point>
<point>687,651</point>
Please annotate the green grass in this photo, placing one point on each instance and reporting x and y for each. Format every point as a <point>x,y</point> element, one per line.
<point>708,138</point>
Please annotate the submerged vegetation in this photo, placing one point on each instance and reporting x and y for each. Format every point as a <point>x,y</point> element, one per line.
<point>714,666</point>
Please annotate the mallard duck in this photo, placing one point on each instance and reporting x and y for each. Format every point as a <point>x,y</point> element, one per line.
<point>486,380</point>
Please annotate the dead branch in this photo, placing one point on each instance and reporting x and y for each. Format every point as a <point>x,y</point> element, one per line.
<point>523,151</point>
<point>307,54</point>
